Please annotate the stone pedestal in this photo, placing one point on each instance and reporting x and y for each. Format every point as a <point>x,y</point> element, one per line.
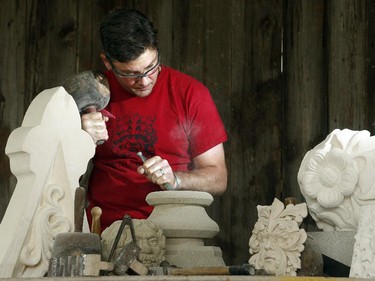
<point>185,224</point>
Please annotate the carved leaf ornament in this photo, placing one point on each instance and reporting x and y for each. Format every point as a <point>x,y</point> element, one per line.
<point>277,241</point>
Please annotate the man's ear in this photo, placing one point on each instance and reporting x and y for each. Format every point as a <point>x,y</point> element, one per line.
<point>105,61</point>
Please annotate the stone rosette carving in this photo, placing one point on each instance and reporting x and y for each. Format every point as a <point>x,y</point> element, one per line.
<point>277,241</point>
<point>336,178</point>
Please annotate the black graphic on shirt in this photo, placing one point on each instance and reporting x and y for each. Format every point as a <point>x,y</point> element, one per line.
<point>134,133</point>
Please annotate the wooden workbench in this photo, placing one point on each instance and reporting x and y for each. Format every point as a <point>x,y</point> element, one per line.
<point>187,278</point>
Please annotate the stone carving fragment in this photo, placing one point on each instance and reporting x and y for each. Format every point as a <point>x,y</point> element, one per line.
<point>149,237</point>
<point>277,241</point>
<point>336,178</point>
<point>48,154</point>
<point>363,261</point>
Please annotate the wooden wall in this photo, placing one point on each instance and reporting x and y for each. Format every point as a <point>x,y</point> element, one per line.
<point>282,73</point>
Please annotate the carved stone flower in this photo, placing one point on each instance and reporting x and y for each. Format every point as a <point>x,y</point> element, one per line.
<point>330,177</point>
<point>336,178</point>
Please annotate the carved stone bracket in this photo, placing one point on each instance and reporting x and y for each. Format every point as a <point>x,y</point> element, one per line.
<point>48,154</point>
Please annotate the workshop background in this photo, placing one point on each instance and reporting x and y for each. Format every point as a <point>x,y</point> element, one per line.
<point>283,75</point>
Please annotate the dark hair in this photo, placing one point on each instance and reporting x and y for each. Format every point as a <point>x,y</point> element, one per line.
<point>126,34</point>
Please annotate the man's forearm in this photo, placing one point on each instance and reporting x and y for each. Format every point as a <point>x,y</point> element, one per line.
<point>209,179</point>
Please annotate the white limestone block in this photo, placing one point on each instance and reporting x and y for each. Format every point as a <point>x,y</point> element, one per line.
<point>48,154</point>
<point>336,178</point>
<point>363,262</point>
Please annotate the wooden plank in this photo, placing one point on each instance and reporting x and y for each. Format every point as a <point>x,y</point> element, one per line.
<point>175,53</point>
<point>370,67</point>
<point>193,37</point>
<point>88,39</point>
<point>55,38</point>
<point>191,278</point>
<point>217,59</point>
<point>256,123</point>
<point>31,50</point>
<point>12,67</point>
<point>305,94</point>
<point>346,28</point>
<point>12,86</point>
<point>237,176</point>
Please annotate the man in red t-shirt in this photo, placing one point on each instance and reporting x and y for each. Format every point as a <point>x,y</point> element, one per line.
<point>168,116</point>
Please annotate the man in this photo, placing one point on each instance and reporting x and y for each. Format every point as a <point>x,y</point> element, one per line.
<point>166,115</point>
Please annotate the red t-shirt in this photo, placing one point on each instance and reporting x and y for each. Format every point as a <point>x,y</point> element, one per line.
<point>177,121</point>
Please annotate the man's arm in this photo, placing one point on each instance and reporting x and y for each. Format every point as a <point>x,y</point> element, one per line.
<point>209,174</point>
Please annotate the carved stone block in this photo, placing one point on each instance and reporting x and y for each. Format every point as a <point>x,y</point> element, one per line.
<point>48,154</point>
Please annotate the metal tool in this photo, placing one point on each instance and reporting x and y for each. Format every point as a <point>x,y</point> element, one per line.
<point>128,256</point>
<point>90,91</point>
<point>128,259</point>
<point>143,158</point>
<point>244,269</point>
<point>124,222</point>
<point>79,208</point>
<point>76,253</point>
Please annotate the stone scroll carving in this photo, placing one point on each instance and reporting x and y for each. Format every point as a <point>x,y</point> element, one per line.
<point>336,178</point>
<point>277,241</point>
<point>48,154</point>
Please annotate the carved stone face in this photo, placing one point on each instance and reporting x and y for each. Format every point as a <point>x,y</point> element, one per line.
<point>277,241</point>
<point>149,237</point>
<point>151,240</point>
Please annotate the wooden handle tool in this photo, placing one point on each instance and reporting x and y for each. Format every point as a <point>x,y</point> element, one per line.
<point>244,269</point>
<point>79,208</point>
<point>96,212</point>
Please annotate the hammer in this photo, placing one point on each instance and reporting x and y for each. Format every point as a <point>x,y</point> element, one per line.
<point>127,258</point>
<point>90,91</point>
<point>76,253</point>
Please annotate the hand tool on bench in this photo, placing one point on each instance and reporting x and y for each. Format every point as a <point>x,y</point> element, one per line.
<point>90,91</point>
<point>127,258</point>
<point>243,269</point>
<point>77,253</point>
<point>79,208</point>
